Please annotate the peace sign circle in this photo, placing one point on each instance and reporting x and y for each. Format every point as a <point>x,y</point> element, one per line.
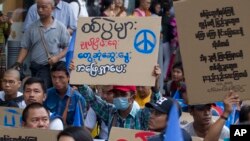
<point>145,45</point>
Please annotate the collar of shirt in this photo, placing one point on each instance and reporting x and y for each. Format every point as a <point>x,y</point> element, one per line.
<point>68,92</point>
<point>133,111</point>
<point>59,5</point>
<point>2,97</point>
<point>53,25</point>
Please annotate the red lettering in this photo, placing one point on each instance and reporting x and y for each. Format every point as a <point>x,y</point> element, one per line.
<point>122,140</point>
<point>83,46</point>
<point>97,43</point>
<point>144,135</point>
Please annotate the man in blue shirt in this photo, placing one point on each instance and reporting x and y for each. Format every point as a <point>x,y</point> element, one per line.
<point>62,12</point>
<point>63,99</point>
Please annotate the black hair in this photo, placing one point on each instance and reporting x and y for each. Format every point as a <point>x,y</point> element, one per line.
<point>178,65</point>
<point>243,115</point>
<point>60,66</point>
<point>77,133</point>
<point>106,4</point>
<point>33,80</point>
<point>69,1</point>
<point>152,7</point>
<point>34,105</point>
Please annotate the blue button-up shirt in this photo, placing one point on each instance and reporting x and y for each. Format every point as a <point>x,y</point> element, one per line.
<point>56,105</point>
<point>63,13</point>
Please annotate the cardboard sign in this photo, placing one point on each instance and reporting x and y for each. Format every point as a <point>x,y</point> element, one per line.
<point>214,37</point>
<point>120,51</point>
<point>23,134</point>
<point>123,134</point>
<point>10,117</point>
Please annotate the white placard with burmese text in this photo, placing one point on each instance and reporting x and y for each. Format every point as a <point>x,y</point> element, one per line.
<point>120,51</point>
<point>214,41</point>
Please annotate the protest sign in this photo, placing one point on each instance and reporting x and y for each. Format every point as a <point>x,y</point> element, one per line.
<point>123,134</point>
<point>10,117</point>
<point>23,134</point>
<point>214,37</point>
<point>121,51</point>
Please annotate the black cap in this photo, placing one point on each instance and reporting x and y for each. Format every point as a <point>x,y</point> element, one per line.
<point>164,104</point>
<point>202,106</point>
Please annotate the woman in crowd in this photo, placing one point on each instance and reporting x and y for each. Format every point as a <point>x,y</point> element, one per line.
<point>108,8</point>
<point>119,9</point>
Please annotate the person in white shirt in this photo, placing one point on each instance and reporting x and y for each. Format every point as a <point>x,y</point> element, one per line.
<point>202,116</point>
<point>10,96</point>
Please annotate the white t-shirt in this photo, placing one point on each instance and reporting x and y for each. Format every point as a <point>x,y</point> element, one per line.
<point>190,129</point>
<point>75,7</point>
<point>91,121</point>
<point>56,124</point>
<point>21,105</point>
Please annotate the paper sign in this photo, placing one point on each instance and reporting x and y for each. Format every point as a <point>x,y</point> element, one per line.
<point>10,117</point>
<point>214,38</point>
<point>120,51</point>
<point>23,134</point>
<point>123,134</point>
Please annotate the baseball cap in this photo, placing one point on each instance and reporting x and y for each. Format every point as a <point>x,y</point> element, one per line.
<point>125,88</point>
<point>164,105</point>
<point>202,106</point>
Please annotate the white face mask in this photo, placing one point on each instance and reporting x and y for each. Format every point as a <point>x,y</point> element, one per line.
<point>121,103</point>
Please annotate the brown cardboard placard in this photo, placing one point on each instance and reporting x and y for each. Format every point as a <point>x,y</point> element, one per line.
<point>24,134</point>
<point>214,37</point>
<point>10,117</point>
<point>120,51</point>
<point>124,134</point>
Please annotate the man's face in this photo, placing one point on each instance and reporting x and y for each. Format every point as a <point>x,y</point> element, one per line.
<point>122,94</point>
<point>177,74</point>
<point>107,93</point>
<point>34,93</point>
<point>10,84</point>
<point>44,8</point>
<point>143,91</point>
<point>60,80</point>
<point>157,121</point>
<point>37,118</point>
<point>202,115</point>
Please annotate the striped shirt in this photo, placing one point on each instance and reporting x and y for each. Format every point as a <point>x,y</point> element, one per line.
<point>137,119</point>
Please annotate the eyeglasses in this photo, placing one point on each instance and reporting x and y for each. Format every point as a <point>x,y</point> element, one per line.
<point>10,82</point>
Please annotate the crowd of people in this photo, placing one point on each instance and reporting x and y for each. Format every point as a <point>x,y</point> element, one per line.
<point>50,102</point>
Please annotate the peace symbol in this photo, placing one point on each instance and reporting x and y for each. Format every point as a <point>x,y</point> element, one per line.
<point>145,46</point>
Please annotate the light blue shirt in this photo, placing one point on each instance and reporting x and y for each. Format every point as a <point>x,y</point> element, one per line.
<point>63,13</point>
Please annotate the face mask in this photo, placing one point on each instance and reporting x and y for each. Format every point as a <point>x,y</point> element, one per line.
<point>121,103</point>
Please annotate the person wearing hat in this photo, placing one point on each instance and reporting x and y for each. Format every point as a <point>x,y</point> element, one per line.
<point>122,113</point>
<point>215,130</point>
<point>202,116</point>
<point>159,113</point>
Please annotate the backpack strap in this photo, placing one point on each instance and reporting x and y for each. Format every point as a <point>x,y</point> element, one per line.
<point>65,112</point>
<point>11,103</point>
